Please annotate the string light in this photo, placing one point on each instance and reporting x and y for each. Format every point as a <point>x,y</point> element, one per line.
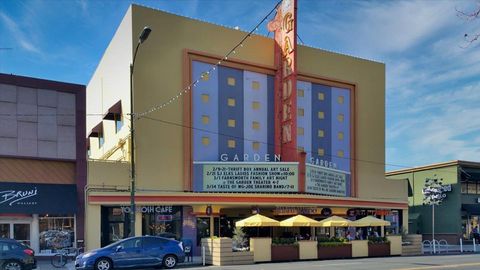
<point>214,67</point>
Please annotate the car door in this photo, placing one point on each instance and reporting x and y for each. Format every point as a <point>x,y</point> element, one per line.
<point>154,250</point>
<point>129,253</point>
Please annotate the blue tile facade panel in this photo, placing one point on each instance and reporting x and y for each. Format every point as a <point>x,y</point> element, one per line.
<point>271,115</point>
<point>230,107</point>
<point>321,122</point>
<point>304,117</point>
<point>340,143</point>
<point>205,113</point>
<point>255,114</point>
<point>198,176</point>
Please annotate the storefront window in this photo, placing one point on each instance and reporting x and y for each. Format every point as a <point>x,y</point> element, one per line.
<point>394,227</point>
<point>472,188</point>
<point>56,232</point>
<point>165,221</point>
<point>464,187</point>
<point>5,230</point>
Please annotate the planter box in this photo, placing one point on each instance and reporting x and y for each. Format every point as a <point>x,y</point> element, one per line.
<point>261,249</point>
<point>379,250</point>
<point>285,252</point>
<point>335,252</point>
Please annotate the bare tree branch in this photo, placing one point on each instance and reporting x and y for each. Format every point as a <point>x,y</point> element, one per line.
<point>470,16</point>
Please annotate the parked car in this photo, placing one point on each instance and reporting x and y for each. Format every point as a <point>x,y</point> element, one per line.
<point>16,256</point>
<point>134,252</point>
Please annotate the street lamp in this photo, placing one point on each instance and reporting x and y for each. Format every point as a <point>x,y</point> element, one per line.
<point>143,36</point>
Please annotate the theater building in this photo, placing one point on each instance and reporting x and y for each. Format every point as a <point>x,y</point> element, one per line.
<point>42,162</point>
<point>222,141</point>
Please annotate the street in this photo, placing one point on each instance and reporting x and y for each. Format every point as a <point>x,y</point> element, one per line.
<point>470,261</point>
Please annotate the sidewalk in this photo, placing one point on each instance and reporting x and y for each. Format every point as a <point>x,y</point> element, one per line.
<point>44,264</point>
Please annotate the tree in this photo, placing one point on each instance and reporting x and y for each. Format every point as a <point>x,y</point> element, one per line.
<point>470,16</point>
<point>239,239</point>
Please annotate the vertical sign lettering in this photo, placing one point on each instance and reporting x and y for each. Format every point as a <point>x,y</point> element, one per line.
<point>284,26</point>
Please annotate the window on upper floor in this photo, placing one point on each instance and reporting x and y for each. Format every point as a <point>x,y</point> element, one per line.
<point>101,138</point>
<point>118,122</point>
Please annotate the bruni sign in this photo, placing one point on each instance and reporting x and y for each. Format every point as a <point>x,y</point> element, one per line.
<point>13,197</point>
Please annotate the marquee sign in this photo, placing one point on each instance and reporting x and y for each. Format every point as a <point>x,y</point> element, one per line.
<point>326,181</point>
<point>285,27</point>
<point>246,177</point>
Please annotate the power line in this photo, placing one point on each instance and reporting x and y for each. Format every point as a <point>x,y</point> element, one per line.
<point>212,68</point>
<point>270,144</point>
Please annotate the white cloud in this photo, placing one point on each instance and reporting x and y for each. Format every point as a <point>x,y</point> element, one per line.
<point>18,34</point>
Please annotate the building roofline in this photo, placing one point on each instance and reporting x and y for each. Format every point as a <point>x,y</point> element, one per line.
<point>435,166</point>
<point>32,82</point>
<point>256,33</point>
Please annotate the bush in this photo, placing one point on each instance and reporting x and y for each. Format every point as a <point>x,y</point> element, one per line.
<point>332,240</point>
<point>332,244</point>
<point>377,240</point>
<point>284,241</point>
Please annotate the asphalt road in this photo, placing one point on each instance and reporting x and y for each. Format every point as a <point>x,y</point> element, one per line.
<point>457,262</point>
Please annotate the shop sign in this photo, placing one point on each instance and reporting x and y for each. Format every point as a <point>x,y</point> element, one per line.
<point>325,181</point>
<point>247,177</point>
<point>285,27</point>
<point>32,198</point>
<point>149,209</point>
<point>368,212</point>
<point>287,211</point>
<point>160,218</point>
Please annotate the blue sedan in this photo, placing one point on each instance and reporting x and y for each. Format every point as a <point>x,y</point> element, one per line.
<point>134,252</point>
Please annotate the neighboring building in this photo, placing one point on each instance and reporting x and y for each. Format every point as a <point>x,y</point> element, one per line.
<point>227,124</point>
<point>459,212</point>
<point>42,162</point>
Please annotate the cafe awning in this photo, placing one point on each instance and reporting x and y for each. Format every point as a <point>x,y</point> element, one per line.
<point>299,221</point>
<point>335,221</point>
<point>257,221</point>
<point>370,221</point>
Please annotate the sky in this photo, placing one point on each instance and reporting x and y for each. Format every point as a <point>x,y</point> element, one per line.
<point>432,73</point>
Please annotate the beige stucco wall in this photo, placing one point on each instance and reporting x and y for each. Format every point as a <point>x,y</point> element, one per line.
<point>108,174</point>
<point>109,84</point>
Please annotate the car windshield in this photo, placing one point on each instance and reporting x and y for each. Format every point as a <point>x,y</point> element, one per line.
<point>114,244</point>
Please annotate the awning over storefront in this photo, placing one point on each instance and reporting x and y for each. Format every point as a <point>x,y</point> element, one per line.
<point>472,209</point>
<point>116,109</point>
<point>31,198</point>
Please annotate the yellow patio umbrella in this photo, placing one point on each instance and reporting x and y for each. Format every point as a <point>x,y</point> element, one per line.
<point>257,221</point>
<point>299,221</point>
<point>370,221</point>
<point>335,221</point>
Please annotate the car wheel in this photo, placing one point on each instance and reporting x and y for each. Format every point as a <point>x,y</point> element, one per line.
<point>170,261</point>
<point>12,265</point>
<point>103,264</point>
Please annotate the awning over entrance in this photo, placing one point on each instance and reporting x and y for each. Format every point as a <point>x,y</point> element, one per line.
<point>473,209</point>
<point>31,198</point>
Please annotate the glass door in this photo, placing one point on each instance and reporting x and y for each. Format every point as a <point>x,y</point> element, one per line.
<point>5,230</point>
<point>21,233</point>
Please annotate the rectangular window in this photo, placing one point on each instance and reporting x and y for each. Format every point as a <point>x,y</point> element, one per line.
<point>321,151</point>
<point>321,96</point>
<point>321,133</point>
<point>205,140</point>
<point>301,112</point>
<point>255,125</point>
<point>472,188</point>
<point>340,117</point>
<point>321,115</point>
<point>205,98</point>
<point>340,153</point>
<point>231,102</point>
<point>255,145</point>
<point>340,99</point>
<point>300,93</point>
<point>231,122</point>
<point>340,135</point>
<point>300,131</point>
<point>205,119</point>
<point>255,85</point>
<point>101,138</point>
<point>118,122</point>
<point>56,232</point>
<point>231,81</point>
<point>464,187</point>
<point>255,105</point>
<point>231,143</point>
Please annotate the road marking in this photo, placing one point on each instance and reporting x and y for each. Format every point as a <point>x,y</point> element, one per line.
<point>440,266</point>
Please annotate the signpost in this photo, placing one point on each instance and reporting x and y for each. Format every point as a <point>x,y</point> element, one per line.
<point>434,194</point>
